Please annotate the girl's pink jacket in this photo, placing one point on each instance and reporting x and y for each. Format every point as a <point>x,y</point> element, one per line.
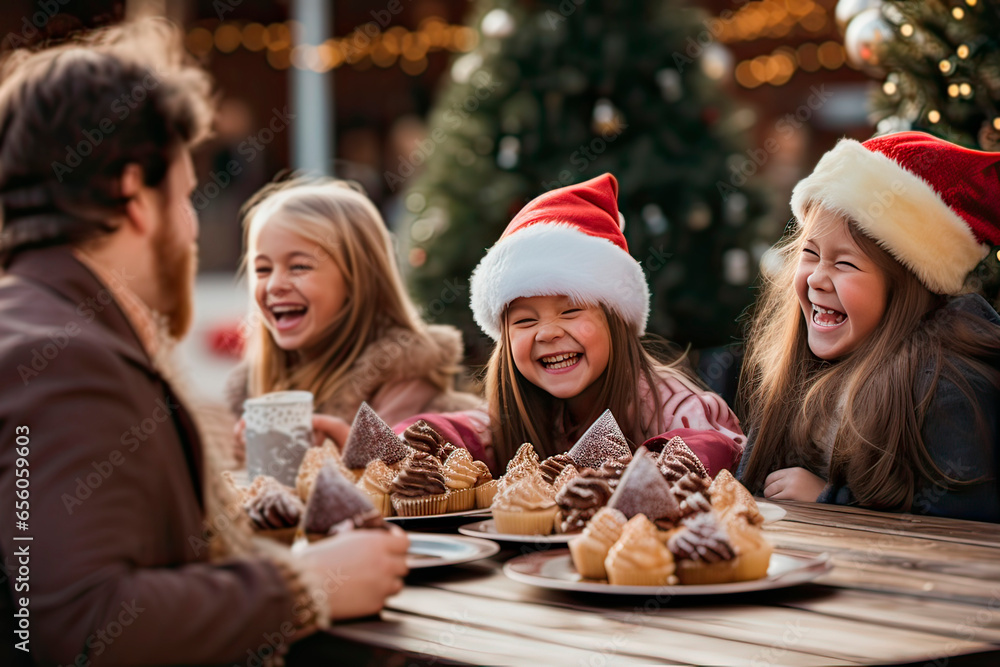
<point>700,417</point>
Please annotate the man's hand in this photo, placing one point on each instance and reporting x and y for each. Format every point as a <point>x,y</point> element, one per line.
<point>793,484</point>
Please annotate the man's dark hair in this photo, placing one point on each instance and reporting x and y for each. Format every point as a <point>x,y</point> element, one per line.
<point>74,115</point>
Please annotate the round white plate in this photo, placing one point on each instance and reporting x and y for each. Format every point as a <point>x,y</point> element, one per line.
<point>435,517</point>
<point>432,550</point>
<point>771,512</point>
<point>554,569</point>
<point>488,530</point>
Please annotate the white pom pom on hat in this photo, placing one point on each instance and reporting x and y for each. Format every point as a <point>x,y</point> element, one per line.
<point>565,242</point>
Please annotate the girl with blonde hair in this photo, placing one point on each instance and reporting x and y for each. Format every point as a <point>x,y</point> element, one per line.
<point>872,377</point>
<point>567,305</point>
<point>332,313</point>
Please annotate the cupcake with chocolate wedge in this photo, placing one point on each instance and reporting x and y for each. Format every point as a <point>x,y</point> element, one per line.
<point>643,490</point>
<point>372,439</point>
<point>601,442</point>
<point>336,504</point>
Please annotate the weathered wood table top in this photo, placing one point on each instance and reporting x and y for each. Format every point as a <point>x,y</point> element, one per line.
<point>903,589</point>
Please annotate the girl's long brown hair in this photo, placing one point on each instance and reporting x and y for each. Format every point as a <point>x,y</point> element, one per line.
<point>521,412</point>
<point>342,226</point>
<point>879,392</point>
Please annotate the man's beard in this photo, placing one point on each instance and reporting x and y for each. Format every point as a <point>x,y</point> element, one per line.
<point>176,266</point>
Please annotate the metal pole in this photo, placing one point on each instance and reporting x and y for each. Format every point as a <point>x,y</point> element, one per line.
<point>312,93</point>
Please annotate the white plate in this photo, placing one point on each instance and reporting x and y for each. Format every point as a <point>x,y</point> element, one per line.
<point>435,517</point>
<point>488,529</point>
<point>432,550</point>
<point>771,512</point>
<point>554,569</point>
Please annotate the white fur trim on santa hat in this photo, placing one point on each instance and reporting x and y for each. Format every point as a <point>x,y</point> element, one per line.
<point>898,209</point>
<point>552,259</point>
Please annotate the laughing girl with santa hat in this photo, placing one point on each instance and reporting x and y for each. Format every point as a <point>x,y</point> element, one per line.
<point>872,375</point>
<point>567,306</point>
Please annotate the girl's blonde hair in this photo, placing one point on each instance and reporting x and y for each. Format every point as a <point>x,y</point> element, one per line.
<point>343,226</point>
<point>522,412</point>
<point>874,399</point>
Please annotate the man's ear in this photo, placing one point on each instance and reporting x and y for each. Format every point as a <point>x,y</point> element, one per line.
<point>140,206</point>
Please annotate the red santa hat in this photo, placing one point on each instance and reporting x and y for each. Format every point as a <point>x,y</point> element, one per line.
<point>932,205</point>
<point>568,242</point>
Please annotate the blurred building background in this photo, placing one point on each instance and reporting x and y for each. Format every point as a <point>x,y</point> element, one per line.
<point>745,95</point>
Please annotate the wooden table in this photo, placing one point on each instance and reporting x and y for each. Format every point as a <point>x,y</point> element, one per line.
<point>903,589</point>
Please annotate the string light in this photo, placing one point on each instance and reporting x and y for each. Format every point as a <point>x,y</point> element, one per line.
<point>397,45</point>
<point>996,123</point>
<point>933,115</point>
<point>966,90</point>
<point>958,13</point>
<point>906,30</point>
<point>889,88</point>
<point>963,51</point>
<point>953,90</point>
<point>778,68</point>
<point>971,3</point>
<point>945,66</point>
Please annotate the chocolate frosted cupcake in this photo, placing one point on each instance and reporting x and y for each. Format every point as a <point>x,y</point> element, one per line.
<point>419,487</point>
<point>274,509</point>
<point>336,503</point>
<point>486,486</point>
<point>460,475</point>
<point>422,437</point>
<point>604,440</point>
<point>552,466</point>
<point>581,498</point>
<point>613,469</point>
<point>677,460</point>
<point>371,439</point>
<point>565,476</point>
<point>524,464</point>
<point>525,507</point>
<point>376,483</point>
<point>703,551</point>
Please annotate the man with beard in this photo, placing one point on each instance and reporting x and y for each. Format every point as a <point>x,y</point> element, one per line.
<point>118,543</point>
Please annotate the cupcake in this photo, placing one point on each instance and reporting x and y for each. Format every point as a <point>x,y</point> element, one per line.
<point>460,475</point>
<point>639,558</point>
<point>604,440</point>
<point>691,493</point>
<point>710,550</point>
<point>565,476</point>
<point>525,507</point>
<point>591,548</point>
<point>613,469</point>
<point>419,488</point>
<point>486,486</point>
<point>677,460</point>
<point>376,483</point>
<point>371,439</point>
<point>581,499</point>
<point>730,498</point>
<point>552,466</point>
<point>334,504</point>
<point>524,464</point>
<point>274,509</point>
<point>313,461</point>
<point>422,437</point>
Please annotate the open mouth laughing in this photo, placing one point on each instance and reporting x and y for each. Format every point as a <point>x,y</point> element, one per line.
<point>554,362</point>
<point>827,317</point>
<point>287,316</point>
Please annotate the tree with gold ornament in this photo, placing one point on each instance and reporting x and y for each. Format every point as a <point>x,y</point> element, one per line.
<point>559,91</point>
<point>940,65</point>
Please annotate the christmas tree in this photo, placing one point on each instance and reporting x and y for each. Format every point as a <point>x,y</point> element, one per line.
<point>559,91</point>
<point>942,70</point>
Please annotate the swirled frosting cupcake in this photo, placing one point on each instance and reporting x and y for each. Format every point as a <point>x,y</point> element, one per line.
<point>422,437</point>
<point>419,488</point>
<point>639,558</point>
<point>552,466</point>
<point>525,507</point>
<point>486,486</point>
<point>730,499</point>
<point>581,498</point>
<point>524,464</point>
<point>376,483</point>
<point>591,548</point>
<point>274,509</point>
<point>565,476</point>
<point>677,460</point>
<point>460,475</point>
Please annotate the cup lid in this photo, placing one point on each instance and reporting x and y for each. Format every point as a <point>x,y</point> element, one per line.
<point>279,398</point>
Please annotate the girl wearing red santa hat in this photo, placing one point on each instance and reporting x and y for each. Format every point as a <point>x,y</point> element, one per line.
<point>567,305</point>
<point>872,375</point>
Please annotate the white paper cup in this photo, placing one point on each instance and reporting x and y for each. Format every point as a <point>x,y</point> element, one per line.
<point>278,433</point>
